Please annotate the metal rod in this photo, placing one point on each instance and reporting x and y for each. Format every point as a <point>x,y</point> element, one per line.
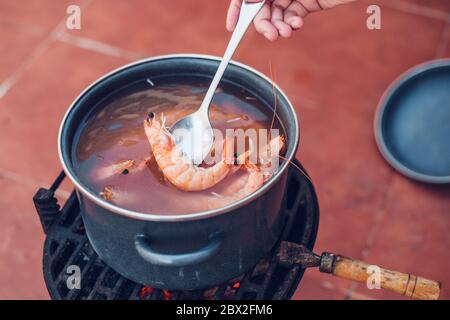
<point>58,181</point>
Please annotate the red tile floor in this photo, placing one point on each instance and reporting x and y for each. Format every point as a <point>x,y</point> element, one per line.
<point>334,70</point>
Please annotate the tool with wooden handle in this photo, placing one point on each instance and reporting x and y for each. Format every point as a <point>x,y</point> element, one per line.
<point>405,284</point>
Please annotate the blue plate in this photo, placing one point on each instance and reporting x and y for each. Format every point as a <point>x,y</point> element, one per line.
<point>412,124</point>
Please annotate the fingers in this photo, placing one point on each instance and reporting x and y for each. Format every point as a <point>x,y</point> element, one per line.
<point>287,16</point>
<point>264,25</point>
<point>269,21</point>
<point>276,18</point>
<point>280,17</point>
<point>283,28</point>
<point>294,14</point>
<point>233,14</point>
<point>328,4</point>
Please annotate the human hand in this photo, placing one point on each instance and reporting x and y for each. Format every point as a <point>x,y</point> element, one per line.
<point>280,17</point>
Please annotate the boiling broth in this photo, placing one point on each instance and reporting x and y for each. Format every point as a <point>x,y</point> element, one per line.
<point>115,133</point>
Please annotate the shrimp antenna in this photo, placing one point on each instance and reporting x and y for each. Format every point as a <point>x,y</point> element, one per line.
<point>297,167</point>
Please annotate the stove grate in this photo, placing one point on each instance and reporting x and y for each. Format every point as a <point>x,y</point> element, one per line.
<point>66,244</point>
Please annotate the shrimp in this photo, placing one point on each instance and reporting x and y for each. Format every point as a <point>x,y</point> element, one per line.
<point>269,157</point>
<point>123,166</point>
<point>117,196</point>
<point>107,193</point>
<point>254,180</point>
<point>256,176</point>
<point>177,170</point>
<point>119,167</point>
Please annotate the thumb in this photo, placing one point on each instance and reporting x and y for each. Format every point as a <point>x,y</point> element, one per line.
<point>233,14</point>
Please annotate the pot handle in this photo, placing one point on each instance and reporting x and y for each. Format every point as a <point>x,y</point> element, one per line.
<point>409,285</point>
<point>144,249</point>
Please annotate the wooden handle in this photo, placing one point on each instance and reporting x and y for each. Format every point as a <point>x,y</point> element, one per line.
<point>405,284</point>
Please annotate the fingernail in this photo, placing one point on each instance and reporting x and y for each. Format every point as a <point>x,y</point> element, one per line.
<point>294,22</point>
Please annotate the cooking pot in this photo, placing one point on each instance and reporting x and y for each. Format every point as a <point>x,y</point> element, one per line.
<point>190,251</point>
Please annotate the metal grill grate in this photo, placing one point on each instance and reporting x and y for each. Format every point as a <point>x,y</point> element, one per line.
<point>66,244</point>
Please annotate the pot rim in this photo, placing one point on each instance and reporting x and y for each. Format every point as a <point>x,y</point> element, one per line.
<point>180,217</point>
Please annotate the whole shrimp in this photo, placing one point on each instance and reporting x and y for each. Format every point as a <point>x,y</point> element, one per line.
<point>181,173</point>
<point>256,176</point>
<point>114,169</point>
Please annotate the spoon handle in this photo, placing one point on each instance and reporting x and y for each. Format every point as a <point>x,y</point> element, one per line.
<point>249,10</point>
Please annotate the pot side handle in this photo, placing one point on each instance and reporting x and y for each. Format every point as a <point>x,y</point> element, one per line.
<point>143,247</point>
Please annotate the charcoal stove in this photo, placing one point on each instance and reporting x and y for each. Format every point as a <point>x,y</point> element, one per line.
<point>66,244</point>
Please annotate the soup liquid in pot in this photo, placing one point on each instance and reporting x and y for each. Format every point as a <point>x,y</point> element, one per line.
<point>116,133</point>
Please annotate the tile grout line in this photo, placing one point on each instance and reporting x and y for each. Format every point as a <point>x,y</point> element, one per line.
<point>440,50</point>
<point>114,51</point>
<point>56,33</point>
<point>379,215</point>
<point>22,27</point>
<point>21,179</point>
<point>416,9</point>
<point>444,41</point>
<point>99,47</point>
<point>330,287</point>
<point>7,84</point>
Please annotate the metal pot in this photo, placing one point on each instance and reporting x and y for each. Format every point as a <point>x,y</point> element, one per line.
<point>189,251</point>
